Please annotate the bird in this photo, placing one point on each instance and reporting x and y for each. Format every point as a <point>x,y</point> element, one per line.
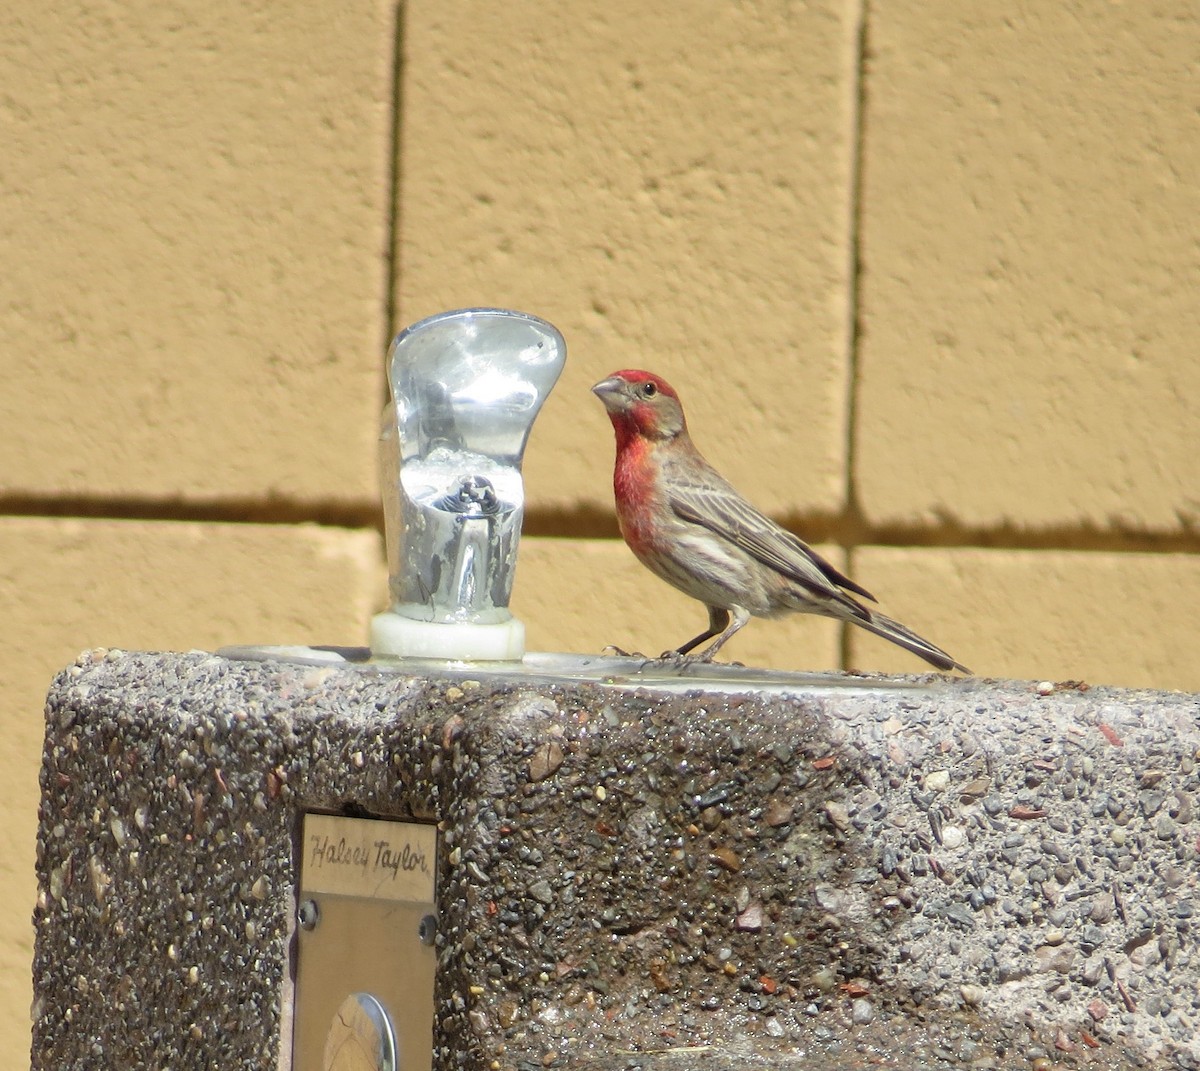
<point>690,527</point>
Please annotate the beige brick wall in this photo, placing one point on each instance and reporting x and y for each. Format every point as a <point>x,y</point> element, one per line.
<point>926,284</point>
<point>1029,245</point>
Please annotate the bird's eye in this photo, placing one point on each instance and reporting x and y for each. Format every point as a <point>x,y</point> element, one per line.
<point>649,390</point>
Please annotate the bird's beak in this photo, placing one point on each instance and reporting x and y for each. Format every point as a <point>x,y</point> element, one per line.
<point>610,391</point>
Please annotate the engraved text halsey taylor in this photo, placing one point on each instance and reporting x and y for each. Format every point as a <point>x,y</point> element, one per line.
<point>382,856</point>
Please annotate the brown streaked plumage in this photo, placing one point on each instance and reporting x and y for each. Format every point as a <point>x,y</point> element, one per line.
<point>688,525</point>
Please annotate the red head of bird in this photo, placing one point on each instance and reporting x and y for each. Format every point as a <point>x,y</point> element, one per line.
<point>641,405</point>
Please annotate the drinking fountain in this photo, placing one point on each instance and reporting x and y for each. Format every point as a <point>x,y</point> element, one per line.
<point>442,852</point>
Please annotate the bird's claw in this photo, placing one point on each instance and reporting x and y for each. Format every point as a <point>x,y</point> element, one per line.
<point>681,661</point>
<point>674,660</point>
<point>668,659</point>
<point>620,652</point>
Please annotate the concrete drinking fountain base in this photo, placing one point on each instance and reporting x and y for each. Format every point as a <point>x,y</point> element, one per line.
<point>662,873</point>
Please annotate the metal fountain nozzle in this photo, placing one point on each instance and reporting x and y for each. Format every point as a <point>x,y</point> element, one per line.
<point>466,387</point>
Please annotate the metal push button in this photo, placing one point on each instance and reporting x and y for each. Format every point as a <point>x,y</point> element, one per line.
<point>362,1037</point>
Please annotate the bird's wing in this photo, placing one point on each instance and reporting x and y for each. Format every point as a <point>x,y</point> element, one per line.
<point>723,511</point>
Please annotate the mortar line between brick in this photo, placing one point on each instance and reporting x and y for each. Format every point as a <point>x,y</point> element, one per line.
<point>592,523</point>
<point>853,524</point>
<point>352,515</point>
<point>391,251</point>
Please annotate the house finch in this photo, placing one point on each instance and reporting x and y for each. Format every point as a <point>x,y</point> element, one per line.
<point>687,525</point>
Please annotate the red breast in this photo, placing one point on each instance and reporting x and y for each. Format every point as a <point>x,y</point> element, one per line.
<point>635,486</point>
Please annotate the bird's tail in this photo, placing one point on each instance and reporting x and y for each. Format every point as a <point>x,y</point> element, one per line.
<point>909,640</point>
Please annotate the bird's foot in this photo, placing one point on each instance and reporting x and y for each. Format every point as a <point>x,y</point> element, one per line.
<point>676,660</point>
<point>620,652</point>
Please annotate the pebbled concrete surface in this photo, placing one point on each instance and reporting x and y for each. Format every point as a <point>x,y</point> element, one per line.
<point>865,872</point>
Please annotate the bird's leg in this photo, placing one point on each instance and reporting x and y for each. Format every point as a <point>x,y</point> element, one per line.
<point>740,617</point>
<point>718,619</point>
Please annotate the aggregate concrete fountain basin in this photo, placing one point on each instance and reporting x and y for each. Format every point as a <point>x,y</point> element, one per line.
<point>636,867</point>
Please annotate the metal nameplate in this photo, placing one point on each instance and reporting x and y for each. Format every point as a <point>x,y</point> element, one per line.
<point>369,858</point>
<point>366,956</point>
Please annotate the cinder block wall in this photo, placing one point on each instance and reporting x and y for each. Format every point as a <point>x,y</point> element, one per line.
<point>925,275</point>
